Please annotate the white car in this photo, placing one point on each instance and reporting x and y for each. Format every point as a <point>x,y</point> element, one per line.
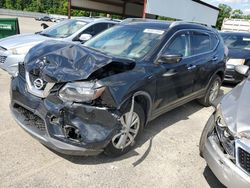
<point>13,49</point>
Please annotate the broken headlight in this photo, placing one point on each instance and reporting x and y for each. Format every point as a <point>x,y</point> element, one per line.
<point>224,134</point>
<point>81,91</point>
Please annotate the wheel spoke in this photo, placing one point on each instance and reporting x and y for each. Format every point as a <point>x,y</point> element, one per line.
<point>131,138</point>
<point>122,141</point>
<point>133,131</point>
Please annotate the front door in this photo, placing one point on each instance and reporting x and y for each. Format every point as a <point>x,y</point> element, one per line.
<point>175,81</point>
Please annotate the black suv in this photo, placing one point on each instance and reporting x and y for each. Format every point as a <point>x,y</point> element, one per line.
<point>83,100</point>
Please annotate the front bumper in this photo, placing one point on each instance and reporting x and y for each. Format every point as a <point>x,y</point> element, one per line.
<point>96,126</point>
<point>10,63</point>
<point>224,169</point>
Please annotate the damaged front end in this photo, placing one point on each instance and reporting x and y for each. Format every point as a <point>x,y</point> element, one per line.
<point>226,147</point>
<point>59,98</point>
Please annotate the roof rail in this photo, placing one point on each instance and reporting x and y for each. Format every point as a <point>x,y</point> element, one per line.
<point>129,20</point>
<point>175,23</point>
<point>98,18</point>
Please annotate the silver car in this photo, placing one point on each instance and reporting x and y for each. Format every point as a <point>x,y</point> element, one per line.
<point>225,140</point>
<point>13,49</point>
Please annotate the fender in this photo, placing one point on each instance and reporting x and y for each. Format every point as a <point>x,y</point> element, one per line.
<point>132,97</point>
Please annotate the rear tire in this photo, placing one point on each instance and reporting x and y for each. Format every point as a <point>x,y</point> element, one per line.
<point>212,92</point>
<point>131,134</point>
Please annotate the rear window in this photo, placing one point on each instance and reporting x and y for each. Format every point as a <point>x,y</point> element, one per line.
<point>237,41</point>
<point>200,43</point>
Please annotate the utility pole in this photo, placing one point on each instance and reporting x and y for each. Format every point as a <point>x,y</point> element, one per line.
<point>144,9</point>
<point>69,9</point>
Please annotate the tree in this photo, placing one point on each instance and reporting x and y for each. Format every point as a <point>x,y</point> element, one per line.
<point>2,3</point>
<point>9,4</point>
<point>225,12</point>
<point>237,14</point>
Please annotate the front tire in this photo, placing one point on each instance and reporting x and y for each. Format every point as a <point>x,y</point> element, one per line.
<point>212,92</point>
<point>125,139</point>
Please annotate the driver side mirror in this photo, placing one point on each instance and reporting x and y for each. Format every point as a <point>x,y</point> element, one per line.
<point>170,58</point>
<point>85,37</point>
<point>242,70</point>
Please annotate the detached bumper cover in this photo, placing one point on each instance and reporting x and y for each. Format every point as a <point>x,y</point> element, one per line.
<point>223,168</point>
<point>96,126</point>
<point>52,143</point>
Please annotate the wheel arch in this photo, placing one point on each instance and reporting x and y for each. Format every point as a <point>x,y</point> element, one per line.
<point>144,99</point>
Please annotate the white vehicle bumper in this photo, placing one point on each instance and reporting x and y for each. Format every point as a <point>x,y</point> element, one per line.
<point>9,62</point>
<point>223,168</point>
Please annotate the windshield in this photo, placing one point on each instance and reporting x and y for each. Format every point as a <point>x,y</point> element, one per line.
<point>128,42</point>
<point>63,29</point>
<point>237,41</point>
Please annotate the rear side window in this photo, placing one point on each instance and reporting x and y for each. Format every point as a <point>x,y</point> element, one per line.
<point>214,41</point>
<point>200,43</point>
<point>96,28</point>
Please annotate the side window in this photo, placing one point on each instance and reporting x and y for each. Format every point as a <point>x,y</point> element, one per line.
<point>179,45</point>
<point>96,29</point>
<point>200,43</point>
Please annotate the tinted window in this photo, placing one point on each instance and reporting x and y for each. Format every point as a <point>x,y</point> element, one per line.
<point>214,41</point>
<point>200,43</point>
<point>237,41</point>
<point>96,28</point>
<point>179,45</point>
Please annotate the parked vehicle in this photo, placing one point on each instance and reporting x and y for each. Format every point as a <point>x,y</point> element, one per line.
<point>14,49</point>
<point>238,54</point>
<point>83,100</point>
<point>235,25</point>
<point>225,141</point>
<point>45,18</point>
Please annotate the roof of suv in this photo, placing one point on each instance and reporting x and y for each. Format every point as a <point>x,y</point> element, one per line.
<point>164,25</point>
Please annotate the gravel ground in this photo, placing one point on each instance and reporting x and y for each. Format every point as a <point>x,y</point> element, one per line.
<point>166,156</point>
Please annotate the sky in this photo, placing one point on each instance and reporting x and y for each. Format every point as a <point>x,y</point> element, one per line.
<point>244,5</point>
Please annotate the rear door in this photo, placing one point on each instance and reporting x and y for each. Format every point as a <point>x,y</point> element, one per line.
<point>203,56</point>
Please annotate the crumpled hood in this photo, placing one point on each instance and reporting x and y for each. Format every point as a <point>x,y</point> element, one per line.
<point>58,61</point>
<point>236,107</point>
<point>238,53</point>
<point>22,40</point>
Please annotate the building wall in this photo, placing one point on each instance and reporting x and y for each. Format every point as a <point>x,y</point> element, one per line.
<point>186,10</point>
<point>131,9</point>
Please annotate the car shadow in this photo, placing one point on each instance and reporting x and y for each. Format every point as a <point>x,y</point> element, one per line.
<point>150,131</point>
<point>229,85</point>
<point>211,179</point>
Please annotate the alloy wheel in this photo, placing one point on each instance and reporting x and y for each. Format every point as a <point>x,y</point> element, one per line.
<point>130,127</point>
<point>214,91</point>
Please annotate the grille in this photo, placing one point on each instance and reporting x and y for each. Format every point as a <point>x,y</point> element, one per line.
<point>31,119</point>
<point>244,159</point>
<point>21,70</point>
<point>2,59</point>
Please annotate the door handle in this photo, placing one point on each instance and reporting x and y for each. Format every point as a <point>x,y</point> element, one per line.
<point>215,58</point>
<point>170,72</point>
<point>191,67</point>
